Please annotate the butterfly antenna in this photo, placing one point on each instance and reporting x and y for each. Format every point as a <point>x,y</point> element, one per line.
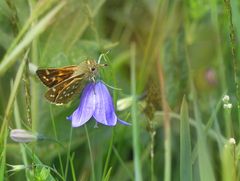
<point>102,55</point>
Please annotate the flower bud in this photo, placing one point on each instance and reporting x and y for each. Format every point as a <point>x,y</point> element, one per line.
<point>15,168</point>
<point>22,136</point>
<point>124,103</point>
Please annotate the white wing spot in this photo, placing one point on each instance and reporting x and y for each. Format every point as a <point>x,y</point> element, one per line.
<point>51,95</point>
<point>44,77</point>
<point>47,72</point>
<point>53,89</point>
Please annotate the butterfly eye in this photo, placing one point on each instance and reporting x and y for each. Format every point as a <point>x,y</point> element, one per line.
<point>93,69</point>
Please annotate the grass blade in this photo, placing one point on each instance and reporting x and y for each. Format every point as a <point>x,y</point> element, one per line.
<point>8,60</point>
<point>135,132</point>
<point>185,144</point>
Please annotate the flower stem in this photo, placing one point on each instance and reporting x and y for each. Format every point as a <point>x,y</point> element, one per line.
<point>68,153</point>
<point>91,155</point>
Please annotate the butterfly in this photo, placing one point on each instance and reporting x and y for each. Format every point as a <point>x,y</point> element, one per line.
<point>66,82</point>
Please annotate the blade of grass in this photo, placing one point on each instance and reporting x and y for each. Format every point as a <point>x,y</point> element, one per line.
<point>10,58</point>
<point>185,144</point>
<point>72,167</point>
<point>135,126</point>
<point>234,52</point>
<point>127,170</point>
<point>108,157</point>
<point>3,143</point>
<point>107,177</point>
<point>205,166</point>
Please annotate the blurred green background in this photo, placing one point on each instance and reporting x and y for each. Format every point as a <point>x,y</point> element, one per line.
<point>174,61</point>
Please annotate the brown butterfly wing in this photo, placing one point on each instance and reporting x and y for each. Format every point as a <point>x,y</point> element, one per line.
<point>63,92</point>
<point>53,76</point>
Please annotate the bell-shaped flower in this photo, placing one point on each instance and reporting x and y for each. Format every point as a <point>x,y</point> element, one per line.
<point>96,102</point>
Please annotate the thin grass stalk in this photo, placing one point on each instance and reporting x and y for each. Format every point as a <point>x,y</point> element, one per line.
<point>34,59</point>
<point>167,125</point>
<point>135,126</point>
<point>152,134</point>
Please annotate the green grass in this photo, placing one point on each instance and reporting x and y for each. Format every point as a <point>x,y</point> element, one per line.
<point>176,59</point>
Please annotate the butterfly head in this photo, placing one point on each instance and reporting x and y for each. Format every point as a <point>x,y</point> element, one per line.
<point>93,66</point>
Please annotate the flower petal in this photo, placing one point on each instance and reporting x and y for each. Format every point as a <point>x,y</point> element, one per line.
<point>86,107</point>
<point>124,123</point>
<point>104,110</point>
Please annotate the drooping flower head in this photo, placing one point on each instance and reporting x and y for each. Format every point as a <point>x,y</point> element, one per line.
<point>96,102</point>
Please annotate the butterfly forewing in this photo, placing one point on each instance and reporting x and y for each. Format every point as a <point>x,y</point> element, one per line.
<point>66,82</point>
<point>53,76</point>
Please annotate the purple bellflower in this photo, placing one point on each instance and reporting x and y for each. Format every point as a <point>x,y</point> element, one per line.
<point>96,102</point>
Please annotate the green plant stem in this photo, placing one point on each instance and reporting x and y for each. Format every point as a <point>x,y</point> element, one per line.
<point>135,126</point>
<point>91,154</point>
<point>18,124</point>
<point>235,61</point>
<point>167,126</point>
<point>56,137</point>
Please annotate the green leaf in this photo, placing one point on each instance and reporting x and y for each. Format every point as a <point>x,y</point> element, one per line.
<point>108,174</point>
<point>185,144</point>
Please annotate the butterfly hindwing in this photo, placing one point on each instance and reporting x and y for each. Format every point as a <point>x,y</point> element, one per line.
<point>63,92</point>
<point>53,76</point>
